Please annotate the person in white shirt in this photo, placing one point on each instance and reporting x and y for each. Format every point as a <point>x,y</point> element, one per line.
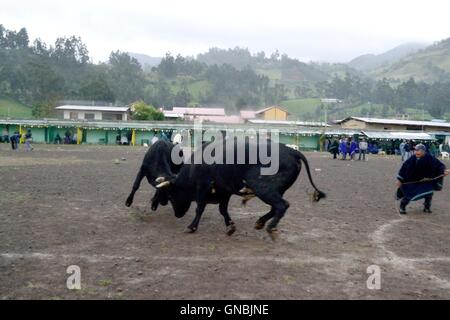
<point>362,149</point>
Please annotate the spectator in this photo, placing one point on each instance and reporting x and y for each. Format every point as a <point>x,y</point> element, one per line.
<point>343,149</point>
<point>327,144</point>
<point>353,149</point>
<point>58,139</point>
<point>28,140</point>
<point>433,150</point>
<point>348,145</point>
<point>5,135</point>
<point>334,148</point>
<point>446,147</point>
<point>362,149</point>
<point>130,137</point>
<point>68,137</point>
<point>14,141</point>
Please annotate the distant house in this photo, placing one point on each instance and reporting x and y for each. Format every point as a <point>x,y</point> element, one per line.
<point>216,115</point>
<point>392,124</point>
<point>97,113</point>
<point>273,113</point>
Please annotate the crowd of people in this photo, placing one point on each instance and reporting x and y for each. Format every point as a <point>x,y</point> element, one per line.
<point>15,138</point>
<point>354,148</point>
<point>348,148</point>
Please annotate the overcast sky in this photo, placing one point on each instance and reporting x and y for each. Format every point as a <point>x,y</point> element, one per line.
<point>319,30</point>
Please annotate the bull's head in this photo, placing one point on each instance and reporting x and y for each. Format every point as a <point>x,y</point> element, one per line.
<point>180,198</point>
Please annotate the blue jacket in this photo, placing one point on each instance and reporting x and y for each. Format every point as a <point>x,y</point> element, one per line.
<point>353,147</point>
<point>343,147</point>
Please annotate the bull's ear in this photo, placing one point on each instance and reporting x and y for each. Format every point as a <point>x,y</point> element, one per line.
<point>164,184</point>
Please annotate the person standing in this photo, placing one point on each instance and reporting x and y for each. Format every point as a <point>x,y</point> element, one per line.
<point>5,135</point>
<point>353,149</point>
<point>402,150</point>
<point>334,148</point>
<point>327,145</point>
<point>13,140</point>
<point>363,146</point>
<point>343,148</point>
<point>418,177</point>
<point>28,140</point>
<point>348,147</point>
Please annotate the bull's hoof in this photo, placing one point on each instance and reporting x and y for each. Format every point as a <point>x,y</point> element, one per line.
<point>273,233</point>
<point>259,226</point>
<point>231,229</point>
<point>154,206</point>
<point>190,230</point>
<point>128,203</point>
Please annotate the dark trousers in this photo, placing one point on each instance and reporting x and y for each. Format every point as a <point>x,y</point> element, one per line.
<point>427,204</point>
<point>362,154</point>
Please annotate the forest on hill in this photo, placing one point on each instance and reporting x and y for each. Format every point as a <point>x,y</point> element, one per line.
<point>39,75</point>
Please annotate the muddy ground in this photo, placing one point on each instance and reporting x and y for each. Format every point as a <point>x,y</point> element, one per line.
<point>64,205</point>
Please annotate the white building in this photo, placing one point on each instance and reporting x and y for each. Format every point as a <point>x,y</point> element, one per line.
<point>93,113</point>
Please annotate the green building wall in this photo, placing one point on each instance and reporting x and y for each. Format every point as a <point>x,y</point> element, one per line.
<point>101,136</point>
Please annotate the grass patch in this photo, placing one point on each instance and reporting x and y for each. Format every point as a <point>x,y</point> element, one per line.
<point>13,109</point>
<point>299,107</point>
<point>105,282</point>
<point>7,197</point>
<point>272,74</point>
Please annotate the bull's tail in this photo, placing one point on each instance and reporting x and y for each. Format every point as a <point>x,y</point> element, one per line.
<point>136,185</point>
<point>317,193</point>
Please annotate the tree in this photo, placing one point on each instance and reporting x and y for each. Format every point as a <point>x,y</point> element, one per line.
<point>383,93</point>
<point>142,111</point>
<point>438,101</point>
<point>125,77</point>
<point>96,89</point>
<point>45,109</point>
<point>241,103</point>
<point>163,95</point>
<point>183,97</point>
<point>167,68</point>
<point>70,51</point>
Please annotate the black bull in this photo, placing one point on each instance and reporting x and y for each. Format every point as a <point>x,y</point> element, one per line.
<point>216,183</point>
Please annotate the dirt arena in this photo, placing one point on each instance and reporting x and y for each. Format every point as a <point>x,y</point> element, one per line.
<point>64,205</point>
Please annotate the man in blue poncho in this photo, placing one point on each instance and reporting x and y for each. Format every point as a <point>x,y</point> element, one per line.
<point>353,149</point>
<point>343,148</point>
<point>418,177</point>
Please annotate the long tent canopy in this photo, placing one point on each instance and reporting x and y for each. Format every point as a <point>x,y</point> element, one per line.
<point>396,135</point>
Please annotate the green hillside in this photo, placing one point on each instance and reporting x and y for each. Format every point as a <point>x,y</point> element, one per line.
<point>301,109</point>
<point>430,64</point>
<point>13,109</point>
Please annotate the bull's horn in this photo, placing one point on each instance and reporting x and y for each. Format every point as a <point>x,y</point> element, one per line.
<point>160,179</point>
<point>163,185</point>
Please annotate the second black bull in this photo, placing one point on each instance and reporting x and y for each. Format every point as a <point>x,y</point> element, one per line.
<point>216,183</point>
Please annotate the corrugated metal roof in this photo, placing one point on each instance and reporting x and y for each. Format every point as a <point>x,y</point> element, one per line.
<point>94,108</point>
<point>199,111</point>
<point>397,135</point>
<point>271,107</point>
<point>400,122</point>
<point>294,123</point>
